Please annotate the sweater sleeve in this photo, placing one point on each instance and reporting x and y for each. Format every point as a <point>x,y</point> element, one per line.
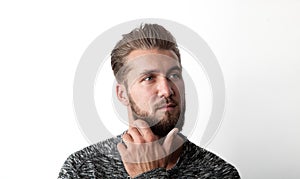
<point>155,173</point>
<point>72,167</point>
<point>69,169</point>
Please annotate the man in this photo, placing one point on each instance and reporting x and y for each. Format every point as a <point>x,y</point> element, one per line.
<point>147,66</point>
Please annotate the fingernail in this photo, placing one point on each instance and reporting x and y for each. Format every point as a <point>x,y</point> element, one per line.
<point>175,131</point>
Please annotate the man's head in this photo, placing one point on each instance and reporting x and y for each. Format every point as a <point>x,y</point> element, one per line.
<point>146,64</point>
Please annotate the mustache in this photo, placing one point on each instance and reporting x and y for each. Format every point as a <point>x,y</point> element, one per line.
<point>164,102</point>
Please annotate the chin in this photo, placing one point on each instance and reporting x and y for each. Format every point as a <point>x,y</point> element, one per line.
<point>163,127</point>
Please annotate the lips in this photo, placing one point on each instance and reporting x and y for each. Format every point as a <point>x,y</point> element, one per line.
<point>168,106</point>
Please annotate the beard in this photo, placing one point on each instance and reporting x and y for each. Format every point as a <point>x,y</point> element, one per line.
<point>160,125</point>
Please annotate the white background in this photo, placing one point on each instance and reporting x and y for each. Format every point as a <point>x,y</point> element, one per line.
<point>256,42</point>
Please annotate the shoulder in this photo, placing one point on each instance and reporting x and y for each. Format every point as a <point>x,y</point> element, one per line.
<point>208,163</point>
<point>101,153</point>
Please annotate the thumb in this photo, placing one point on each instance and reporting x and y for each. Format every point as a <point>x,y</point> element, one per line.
<point>169,140</point>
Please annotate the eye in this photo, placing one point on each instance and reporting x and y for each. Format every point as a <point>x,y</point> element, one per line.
<point>174,76</point>
<point>148,78</point>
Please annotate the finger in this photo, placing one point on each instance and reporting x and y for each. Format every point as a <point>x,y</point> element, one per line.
<point>145,130</point>
<point>127,138</point>
<point>121,148</point>
<point>170,140</point>
<point>136,135</point>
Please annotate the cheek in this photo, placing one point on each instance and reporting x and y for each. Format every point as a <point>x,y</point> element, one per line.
<point>143,98</point>
<point>137,93</point>
<point>179,88</point>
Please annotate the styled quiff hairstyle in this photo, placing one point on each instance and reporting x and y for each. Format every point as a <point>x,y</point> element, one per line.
<point>147,36</point>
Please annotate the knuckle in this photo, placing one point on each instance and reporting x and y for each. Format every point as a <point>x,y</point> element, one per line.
<point>151,138</point>
<point>126,138</point>
<point>140,140</point>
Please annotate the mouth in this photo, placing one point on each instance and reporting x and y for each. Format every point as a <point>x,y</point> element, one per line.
<point>167,107</point>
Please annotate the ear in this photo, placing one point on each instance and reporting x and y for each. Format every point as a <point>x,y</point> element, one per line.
<point>122,94</point>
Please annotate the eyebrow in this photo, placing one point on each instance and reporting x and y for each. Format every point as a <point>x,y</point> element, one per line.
<point>174,68</point>
<point>146,72</point>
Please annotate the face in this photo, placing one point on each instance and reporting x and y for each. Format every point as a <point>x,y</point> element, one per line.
<point>155,89</point>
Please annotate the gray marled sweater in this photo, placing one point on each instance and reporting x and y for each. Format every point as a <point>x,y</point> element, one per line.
<point>102,160</point>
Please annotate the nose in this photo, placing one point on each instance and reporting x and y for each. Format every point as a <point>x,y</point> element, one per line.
<point>164,88</point>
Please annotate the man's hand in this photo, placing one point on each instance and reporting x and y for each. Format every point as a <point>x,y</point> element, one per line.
<point>143,151</point>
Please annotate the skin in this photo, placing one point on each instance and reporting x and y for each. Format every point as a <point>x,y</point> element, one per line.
<point>154,96</point>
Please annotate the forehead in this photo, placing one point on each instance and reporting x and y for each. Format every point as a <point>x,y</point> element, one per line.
<point>154,59</point>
